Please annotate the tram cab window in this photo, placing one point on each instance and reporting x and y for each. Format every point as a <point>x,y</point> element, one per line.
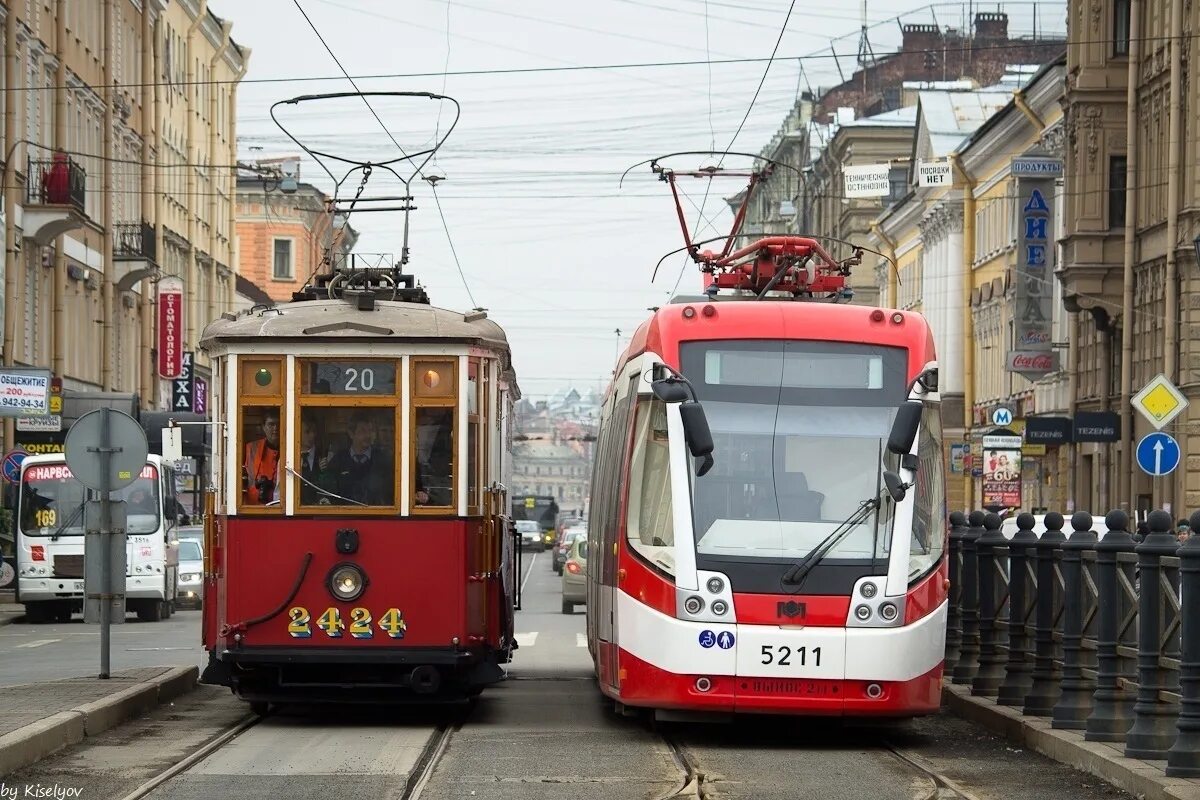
<point>260,456</point>
<point>347,456</point>
<point>260,433</point>
<point>650,530</point>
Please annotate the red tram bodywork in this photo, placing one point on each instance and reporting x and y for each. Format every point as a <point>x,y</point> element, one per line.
<point>348,597</point>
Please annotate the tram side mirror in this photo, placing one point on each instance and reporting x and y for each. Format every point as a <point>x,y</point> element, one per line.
<point>669,390</point>
<point>896,488</point>
<point>904,428</point>
<point>699,437</point>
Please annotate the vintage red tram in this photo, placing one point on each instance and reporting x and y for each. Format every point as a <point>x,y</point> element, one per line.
<point>358,546</point>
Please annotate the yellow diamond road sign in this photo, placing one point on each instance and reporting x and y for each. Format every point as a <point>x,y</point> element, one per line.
<point>1160,402</point>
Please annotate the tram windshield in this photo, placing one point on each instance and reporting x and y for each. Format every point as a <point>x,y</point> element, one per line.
<point>52,501</point>
<point>800,429</point>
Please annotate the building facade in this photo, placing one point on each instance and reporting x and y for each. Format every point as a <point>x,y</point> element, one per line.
<point>285,235</point>
<point>1130,272</point>
<point>108,189</point>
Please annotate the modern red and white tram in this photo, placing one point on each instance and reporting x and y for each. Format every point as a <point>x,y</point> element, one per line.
<point>358,546</point>
<point>768,525</point>
<point>792,576</point>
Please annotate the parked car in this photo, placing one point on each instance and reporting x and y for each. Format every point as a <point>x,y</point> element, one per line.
<point>191,573</point>
<point>574,577</point>
<point>564,547</point>
<point>195,532</point>
<point>531,534</point>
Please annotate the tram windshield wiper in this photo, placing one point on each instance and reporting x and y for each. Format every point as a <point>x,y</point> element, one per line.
<point>798,572</point>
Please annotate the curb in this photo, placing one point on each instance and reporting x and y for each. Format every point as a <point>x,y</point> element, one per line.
<point>1143,779</point>
<point>35,741</point>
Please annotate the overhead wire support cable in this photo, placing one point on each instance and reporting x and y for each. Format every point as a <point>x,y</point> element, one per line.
<point>417,167</point>
<point>742,124</point>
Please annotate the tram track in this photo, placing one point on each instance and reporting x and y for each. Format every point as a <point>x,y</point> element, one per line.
<point>196,756</point>
<point>691,784</point>
<point>943,787</point>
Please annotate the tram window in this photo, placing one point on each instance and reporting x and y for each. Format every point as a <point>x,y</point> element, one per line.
<point>929,502</point>
<point>260,377</point>
<point>349,378</point>
<point>347,456</point>
<point>260,455</point>
<point>474,404</point>
<point>650,530</point>
<point>433,474</point>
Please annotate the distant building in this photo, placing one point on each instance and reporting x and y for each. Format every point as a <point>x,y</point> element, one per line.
<point>553,452</point>
<point>929,54</point>
<point>285,233</point>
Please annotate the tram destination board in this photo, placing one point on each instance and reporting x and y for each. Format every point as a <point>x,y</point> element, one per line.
<point>350,377</point>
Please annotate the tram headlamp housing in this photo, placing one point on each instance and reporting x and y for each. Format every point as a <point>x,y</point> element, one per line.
<point>863,612</point>
<point>346,582</point>
<point>716,585</point>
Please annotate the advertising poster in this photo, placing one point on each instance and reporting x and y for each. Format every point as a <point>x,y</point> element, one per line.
<point>1002,478</point>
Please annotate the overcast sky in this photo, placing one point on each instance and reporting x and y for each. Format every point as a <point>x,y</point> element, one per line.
<point>558,253</point>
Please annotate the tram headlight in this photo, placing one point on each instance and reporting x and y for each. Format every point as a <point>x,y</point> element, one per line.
<point>693,605</point>
<point>863,612</point>
<point>347,582</point>
<point>869,590</point>
<point>719,607</point>
<point>888,611</point>
<point>715,585</point>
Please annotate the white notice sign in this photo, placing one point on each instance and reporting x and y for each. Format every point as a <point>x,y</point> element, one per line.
<point>870,180</point>
<point>934,173</point>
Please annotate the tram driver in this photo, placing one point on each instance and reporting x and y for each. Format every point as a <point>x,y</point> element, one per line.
<point>364,471</point>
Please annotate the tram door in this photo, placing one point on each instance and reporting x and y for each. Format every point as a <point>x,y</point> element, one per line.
<point>611,466</point>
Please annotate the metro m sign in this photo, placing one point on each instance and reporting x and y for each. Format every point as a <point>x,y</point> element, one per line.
<point>170,327</point>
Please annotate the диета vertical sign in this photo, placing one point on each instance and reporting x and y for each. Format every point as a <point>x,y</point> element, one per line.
<point>170,327</point>
<point>1033,354</point>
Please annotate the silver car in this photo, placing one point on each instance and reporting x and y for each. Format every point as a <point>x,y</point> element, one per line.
<point>191,573</point>
<point>531,534</point>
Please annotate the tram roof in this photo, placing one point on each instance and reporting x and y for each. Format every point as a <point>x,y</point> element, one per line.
<point>342,321</point>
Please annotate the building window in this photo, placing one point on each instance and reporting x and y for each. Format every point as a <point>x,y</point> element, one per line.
<point>1121,27</point>
<point>283,260</point>
<point>898,184</point>
<point>1116,192</point>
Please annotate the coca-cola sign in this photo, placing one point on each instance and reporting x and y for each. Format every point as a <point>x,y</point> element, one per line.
<point>1032,363</point>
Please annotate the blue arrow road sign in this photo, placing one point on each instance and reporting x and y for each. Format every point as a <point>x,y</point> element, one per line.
<point>12,465</point>
<point>1158,454</point>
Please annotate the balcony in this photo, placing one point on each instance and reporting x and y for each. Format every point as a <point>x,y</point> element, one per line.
<point>54,199</point>
<point>133,241</point>
<point>134,252</point>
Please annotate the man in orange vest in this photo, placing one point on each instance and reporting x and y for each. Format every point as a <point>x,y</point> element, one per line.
<point>261,466</point>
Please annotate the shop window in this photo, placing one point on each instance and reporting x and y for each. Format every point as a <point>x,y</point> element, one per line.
<point>348,438</point>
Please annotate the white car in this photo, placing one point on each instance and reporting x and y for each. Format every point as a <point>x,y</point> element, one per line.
<point>191,573</point>
<point>531,534</point>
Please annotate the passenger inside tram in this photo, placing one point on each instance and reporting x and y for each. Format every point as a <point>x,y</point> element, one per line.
<point>435,456</point>
<point>314,465</point>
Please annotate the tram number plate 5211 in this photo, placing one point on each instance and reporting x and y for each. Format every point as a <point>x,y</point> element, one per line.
<point>359,623</point>
<point>785,656</point>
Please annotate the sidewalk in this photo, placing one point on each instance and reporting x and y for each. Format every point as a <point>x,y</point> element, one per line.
<point>37,719</point>
<point>10,611</point>
<point>1143,779</point>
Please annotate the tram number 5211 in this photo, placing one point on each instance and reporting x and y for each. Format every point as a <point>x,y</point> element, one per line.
<point>783,655</point>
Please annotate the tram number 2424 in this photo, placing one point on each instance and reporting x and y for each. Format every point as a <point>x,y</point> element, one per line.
<point>331,622</point>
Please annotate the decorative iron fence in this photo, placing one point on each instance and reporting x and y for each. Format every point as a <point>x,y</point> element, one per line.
<point>1098,634</point>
